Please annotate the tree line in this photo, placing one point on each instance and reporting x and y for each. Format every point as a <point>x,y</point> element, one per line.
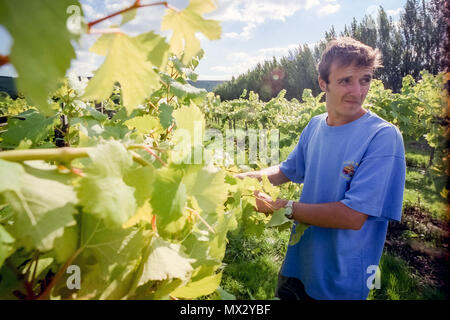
<point>414,43</point>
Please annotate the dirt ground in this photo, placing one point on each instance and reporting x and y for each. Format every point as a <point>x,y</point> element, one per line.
<point>423,242</point>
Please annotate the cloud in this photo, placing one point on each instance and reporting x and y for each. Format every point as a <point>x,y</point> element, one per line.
<point>256,12</point>
<point>244,35</point>
<point>85,64</point>
<point>395,12</point>
<point>328,9</point>
<point>372,11</point>
<point>240,62</point>
<point>277,52</point>
<point>116,5</point>
<point>90,13</point>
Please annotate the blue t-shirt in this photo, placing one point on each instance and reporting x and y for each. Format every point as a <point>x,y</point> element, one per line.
<point>362,165</point>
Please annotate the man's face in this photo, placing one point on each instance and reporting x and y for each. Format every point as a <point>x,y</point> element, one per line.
<point>346,90</point>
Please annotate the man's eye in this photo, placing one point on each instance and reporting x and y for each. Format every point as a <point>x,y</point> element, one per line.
<point>365,81</point>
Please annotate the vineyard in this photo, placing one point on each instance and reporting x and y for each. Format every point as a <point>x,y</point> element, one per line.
<point>415,261</point>
<point>123,178</point>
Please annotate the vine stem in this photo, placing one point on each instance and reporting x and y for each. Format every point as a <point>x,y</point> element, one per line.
<point>169,130</point>
<point>4,60</point>
<point>76,171</point>
<point>155,155</point>
<point>105,31</point>
<point>47,290</point>
<point>259,198</point>
<point>201,219</point>
<point>154,227</point>
<point>36,261</point>
<point>137,4</point>
<point>137,158</point>
<point>152,105</point>
<point>66,154</point>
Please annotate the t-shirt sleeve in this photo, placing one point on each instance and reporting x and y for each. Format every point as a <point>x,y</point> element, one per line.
<point>377,186</point>
<point>294,166</point>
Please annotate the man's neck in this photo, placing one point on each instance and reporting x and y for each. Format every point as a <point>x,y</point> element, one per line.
<point>334,120</point>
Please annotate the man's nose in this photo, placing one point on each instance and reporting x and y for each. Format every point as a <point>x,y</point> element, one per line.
<point>356,89</point>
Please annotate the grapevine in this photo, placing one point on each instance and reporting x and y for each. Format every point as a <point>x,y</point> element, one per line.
<point>113,201</point>
<point>99,174</point>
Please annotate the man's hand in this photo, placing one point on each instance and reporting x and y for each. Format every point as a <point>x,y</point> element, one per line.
<point>249,174</point>
<point>275,175</point>
<point>265,204</point>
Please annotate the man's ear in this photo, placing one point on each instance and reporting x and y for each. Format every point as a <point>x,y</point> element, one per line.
<point>322,84</point>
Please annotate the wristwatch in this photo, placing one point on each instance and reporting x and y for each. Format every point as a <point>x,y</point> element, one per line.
<point>289,213</point>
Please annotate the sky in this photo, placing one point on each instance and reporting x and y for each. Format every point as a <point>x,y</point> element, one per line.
<point>252,30</point>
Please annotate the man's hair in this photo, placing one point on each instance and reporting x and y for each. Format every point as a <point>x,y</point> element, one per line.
<point>346,51</point>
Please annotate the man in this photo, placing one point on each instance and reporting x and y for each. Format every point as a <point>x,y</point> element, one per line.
<point>352,166</point>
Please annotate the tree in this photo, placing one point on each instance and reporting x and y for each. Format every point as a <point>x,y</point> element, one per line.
<point>413,44</point>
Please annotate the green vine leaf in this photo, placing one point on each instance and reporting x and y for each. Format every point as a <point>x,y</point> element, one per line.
<point>5,245</point>
<point>36,127</point>
<point>165,261</point>
<point>42,51</point>
<point>168,201</point>
<point>127,63</point>
<point>127,16</point>
<point>103,191</point>
<point>199,288</point>
<point>186,23</point>
<point>42,207</point>
<point>298,233</point>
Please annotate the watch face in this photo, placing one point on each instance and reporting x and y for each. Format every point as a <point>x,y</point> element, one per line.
<point>288,212</point>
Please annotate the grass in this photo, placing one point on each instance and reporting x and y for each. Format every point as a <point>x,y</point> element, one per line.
<point>253,264</point>
<point>417,154</point>
<point>398,282</point>
<point>423,185</point>
<point>423,189</point>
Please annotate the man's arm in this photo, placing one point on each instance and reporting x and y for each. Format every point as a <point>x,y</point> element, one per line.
<point>275,175</point>
<point>329,215</point>
<point>325,215</point>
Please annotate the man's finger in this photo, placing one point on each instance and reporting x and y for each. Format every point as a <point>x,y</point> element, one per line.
<point>239,175</point>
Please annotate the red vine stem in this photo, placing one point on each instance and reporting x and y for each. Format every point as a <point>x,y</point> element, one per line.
<point>154,228</point>
<point>105,31</point>
<point>169,130</point>
<point>4,60</point>
<point>201,219</point>
<point>262,199</point>
<point>30,292</point>
<point>74,170</point>
<point>155,155</point>
<point>152,105</point>
<point>44,295</point>
<point>137,4</point>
